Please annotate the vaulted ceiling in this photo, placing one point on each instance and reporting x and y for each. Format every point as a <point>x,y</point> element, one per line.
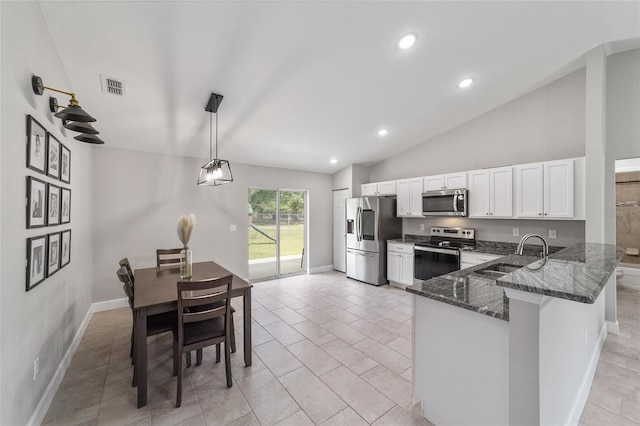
<point>304,82</point>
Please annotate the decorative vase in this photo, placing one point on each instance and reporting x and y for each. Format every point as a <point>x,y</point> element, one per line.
<point>186,263</point>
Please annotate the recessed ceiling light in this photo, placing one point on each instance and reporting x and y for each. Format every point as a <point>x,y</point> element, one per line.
<point>407,41</point>
<point>465,83</point>
<point>333,160</point>
<point>383,132</point>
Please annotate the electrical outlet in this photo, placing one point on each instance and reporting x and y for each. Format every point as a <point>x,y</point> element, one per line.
<point>232,228</point>
<point>422,226</point>
<point>553,233</point>
<point>516,232</point>
<point>36,368</point>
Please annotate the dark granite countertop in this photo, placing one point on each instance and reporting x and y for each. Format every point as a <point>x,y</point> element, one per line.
<point>576,273</point>
<point>470,291</point>
<point>409,239</point>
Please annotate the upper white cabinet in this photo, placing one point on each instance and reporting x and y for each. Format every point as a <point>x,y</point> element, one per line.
<point>378,188</point>
<point>545,190</point>
<point>369,189</point>
<point>449,181</point>
<point>491,193</point>
<point>409,203</point>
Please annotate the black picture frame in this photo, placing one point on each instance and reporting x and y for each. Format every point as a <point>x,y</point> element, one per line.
<point>53,205</point>
<point>65,205</point>
<point>53,253</point>
<point>65,243</point>
<point>53,156</point>
<point>65,164</point>
<point>36,261</point>
<point>36,203</point>
<point>36,146</point>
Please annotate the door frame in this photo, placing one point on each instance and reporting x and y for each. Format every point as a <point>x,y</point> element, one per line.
<point>305,255</point>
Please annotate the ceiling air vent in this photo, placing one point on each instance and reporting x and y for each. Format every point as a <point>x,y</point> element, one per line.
<point>112,86</point>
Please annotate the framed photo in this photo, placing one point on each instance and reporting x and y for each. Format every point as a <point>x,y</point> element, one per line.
<point>53,253</point>
<point>36,145</point>
<point>65,164</point>
<point>53,156</point>
<point>36,202</point>
<point>36,261</point>
<point>65,253</point>
<point>53,204</point>
<point>65,206</point>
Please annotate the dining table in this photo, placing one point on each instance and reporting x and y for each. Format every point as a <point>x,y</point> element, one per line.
<point>156,292</point>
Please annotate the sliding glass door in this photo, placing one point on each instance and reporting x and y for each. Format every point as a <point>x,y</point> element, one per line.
<point>277,233</point>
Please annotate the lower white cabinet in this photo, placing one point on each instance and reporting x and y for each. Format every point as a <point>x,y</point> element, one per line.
<point>468,259</point>
<point>400,263</point>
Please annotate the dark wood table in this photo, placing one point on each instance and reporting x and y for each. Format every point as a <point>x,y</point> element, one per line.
<point>156,292</point>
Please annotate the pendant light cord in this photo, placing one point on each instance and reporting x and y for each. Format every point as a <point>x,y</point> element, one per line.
<point>210,138</point>
<point>216,134</point>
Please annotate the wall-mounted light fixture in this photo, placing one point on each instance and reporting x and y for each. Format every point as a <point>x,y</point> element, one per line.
<point>216,171</point>
<point>73,116</point>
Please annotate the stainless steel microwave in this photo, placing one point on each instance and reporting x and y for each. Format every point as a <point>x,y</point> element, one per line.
<point>448,202</point>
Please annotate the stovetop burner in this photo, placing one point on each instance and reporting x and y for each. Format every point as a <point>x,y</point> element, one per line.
<point>455,238</point>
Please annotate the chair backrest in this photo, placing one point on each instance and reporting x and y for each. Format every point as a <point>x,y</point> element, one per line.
<point>124,263</point>
<point>203,300</point>
<point>168,258</point>
<point>127,284</point>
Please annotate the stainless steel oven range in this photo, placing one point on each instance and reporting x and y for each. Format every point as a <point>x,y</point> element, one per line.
<point>440,254</point>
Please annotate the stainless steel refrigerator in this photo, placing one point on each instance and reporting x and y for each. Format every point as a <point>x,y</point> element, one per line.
<point>371,221</point>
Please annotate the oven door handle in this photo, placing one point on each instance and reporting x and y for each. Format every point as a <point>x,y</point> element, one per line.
<point>437,250</point>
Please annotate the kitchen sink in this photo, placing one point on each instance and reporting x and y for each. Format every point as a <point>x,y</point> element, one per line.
<point>497,270</point>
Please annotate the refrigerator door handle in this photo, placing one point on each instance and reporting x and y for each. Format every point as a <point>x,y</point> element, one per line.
<point>359,224</point>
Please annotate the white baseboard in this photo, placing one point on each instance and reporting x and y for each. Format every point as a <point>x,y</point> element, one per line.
<point>587,381</point>
<point>110,304</point>
<point>47,398</point>
<point>613,327</point>
<point>320,269</point>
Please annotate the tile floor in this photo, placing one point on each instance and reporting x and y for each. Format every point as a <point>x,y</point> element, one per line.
<point>327,350</point>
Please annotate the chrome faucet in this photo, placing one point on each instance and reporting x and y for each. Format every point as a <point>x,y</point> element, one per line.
<point>545,246</point>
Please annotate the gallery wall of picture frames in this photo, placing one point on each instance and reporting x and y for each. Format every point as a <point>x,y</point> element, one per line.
<point>48,204</point>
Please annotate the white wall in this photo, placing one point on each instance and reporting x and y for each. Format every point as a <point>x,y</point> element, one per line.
<point>42,322</point>
<point>546,124</point>
<point>569,232</point>
<point>571,336</point>
<point>623,104</point>
<point>139,197</point>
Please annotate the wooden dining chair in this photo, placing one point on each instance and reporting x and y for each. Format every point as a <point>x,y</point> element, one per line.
<point>204,319</point>
<point>124,263</point>
<point>156,324</point>
<point>168,258</point>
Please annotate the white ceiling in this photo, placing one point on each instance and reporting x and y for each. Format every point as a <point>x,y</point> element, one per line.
<point>307,81</point>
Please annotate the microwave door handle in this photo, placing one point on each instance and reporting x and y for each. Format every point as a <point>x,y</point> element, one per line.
<point>455,203</point>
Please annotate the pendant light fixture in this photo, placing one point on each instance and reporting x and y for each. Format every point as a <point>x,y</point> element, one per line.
<point>216,172</point>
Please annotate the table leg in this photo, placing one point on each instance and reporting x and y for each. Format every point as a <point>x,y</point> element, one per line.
<point>141,355</point>
<point>246,308</point>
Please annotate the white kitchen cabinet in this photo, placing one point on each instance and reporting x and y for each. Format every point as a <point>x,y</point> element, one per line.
<point>468,259</point>
<point>545,190</point>
<point>409,202</point>
<point>491,193</point>
<point>400,264</point>
<point>378,188</point>
<point>558,188</point>
<point>368,189</point>
<point>448,181</point>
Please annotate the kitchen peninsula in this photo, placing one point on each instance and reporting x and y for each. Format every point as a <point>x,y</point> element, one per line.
<point>512,341</point>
